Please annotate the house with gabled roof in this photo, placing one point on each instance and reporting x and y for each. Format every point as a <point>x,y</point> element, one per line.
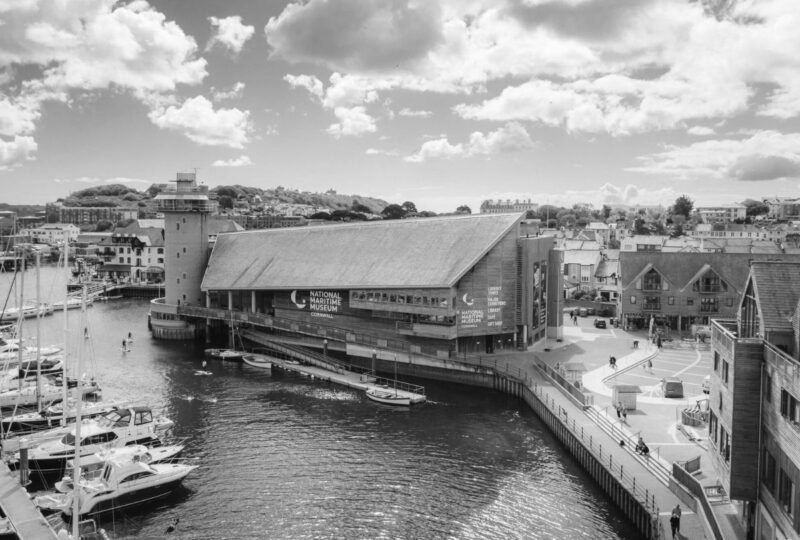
<point>680,290</point>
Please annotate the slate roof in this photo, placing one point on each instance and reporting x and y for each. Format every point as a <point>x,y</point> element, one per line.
<point>606,268</point>
<point>428,252</point>
<point>777,287</point>
<point>584,257</point>
<point>680,268</point>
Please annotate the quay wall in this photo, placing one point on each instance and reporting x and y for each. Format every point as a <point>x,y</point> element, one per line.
<point>634,502</point>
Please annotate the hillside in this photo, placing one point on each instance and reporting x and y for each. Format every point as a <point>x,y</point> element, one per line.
<point>119,195</point>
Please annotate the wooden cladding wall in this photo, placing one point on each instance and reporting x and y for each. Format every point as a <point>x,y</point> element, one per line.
<point>485,296</point>
<point>745,382</point>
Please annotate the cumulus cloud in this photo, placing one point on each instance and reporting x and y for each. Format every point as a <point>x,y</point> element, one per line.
<point>765,155</point>
<point>355,35</point>
<point>235,92</point>
<point>241,161</point>
<point>414,113</point>
<point>197,119</point>
<point>15,151</point>
<point>607,193</point>
<point>352,121</point>
<point>309,82</point>
<point>512,137</point>
<point>133,182</point>
<point>700,131</point>
<point>229,32</point>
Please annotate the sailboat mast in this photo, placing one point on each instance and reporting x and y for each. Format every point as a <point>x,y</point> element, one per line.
<point>64,385</point>
<point>19,317</point>
<point>76,474</point>
<point>38,336</point>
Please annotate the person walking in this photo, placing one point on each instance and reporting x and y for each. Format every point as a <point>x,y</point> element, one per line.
<point>675,520</point>
<point>624,412</point>
<point>619,410</point>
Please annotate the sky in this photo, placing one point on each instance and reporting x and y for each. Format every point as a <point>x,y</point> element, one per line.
<point>438,102</point>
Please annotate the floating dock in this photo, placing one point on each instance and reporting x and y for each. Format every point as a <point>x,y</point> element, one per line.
<point>23,516</point>
<point>359,381</point>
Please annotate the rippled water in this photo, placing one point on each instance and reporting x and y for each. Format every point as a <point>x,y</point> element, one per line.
<point>284,456</point>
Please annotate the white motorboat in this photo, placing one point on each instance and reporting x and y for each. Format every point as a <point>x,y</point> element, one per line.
<point>51,416</point>
<point>230,355</point>
<point>92,465</point>
<point>123,482</point>
<point>120,427</point>
<point>257,360</point>
<point>71,303</point>
<point>387,396</point>
<point>25,312</point>
<point>47,391</point>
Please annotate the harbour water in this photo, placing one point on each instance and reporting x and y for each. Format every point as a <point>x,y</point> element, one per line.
<point>283,456</point>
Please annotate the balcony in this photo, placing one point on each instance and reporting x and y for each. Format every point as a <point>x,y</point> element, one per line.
<point>437,331</point>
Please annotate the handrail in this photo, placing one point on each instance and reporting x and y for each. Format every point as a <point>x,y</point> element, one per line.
<point>695,488</point>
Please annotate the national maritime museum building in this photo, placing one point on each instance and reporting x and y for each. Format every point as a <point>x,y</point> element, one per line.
<point>443,287</point>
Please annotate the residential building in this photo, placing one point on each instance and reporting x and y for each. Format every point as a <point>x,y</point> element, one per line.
<point>579,269</point>
<point>643,242</point>
<point>89,215</point>
<point>606,277</point>
<point>679,290</point>
<point>52,233</point>
<point>754,427</point>
<point>601,231</point>
<point>783,208</point>
<point>501,207</point>
<point>721,213</point>
<point>135,252</point>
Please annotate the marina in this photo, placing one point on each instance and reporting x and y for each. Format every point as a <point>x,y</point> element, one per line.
<point>320,444</point>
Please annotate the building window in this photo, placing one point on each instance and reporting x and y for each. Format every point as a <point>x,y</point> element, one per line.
<point>184,220</point>
<point>789,409</point>
<point>184,275</point>
<point>122,259</point>
<point>709,305</point>
<point>652,303</point>
<point>179,281</point>
<point>652,281</point>
<point>690,301</point>
<point>716,361</point>
<point>671,300</point>
<point>178,255</point>
<point>160,251</point>
<point>633,299</point>
<point>720,402</point>
<point>712,427</point>
<point>786,493</point>
<point>160,260</point>
<point>768,387</point>
<point>724,444</point>
<point>177,226</point>
<point>184,250</point>
<point>729,301</point>
<point>725,371</point>
<point>768,471</point>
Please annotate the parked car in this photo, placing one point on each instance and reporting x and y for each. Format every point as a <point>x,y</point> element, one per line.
<point>599,323</point>
<point>706,386</point>
<point>672,387</point>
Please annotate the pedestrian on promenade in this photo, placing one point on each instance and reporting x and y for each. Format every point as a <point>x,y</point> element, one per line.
<point>658,342</point>
<point>572,316</point>
<point>619,409</point>
<point>675,520</point>
<point>624,412</point>
<point>650,364</point>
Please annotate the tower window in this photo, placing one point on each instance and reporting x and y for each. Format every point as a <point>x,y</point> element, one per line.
<point>177,226</point>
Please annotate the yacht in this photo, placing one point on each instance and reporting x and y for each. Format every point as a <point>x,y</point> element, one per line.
<point>120,427</point>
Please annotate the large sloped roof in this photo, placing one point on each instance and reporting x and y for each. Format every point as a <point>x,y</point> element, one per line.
<point>777,285</point>
<point>681,268</point>
<point>430,252</point>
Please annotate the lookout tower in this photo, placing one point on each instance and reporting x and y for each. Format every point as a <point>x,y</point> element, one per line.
<point>186,208</point>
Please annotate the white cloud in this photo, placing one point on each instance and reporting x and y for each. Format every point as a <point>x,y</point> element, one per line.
<point>241,161</point>
<point>700,131</point>
<point>235,92</point>
<point>309,82</point>
<point>765,155</point>
<point>352,121</point>
<point>14,152</point>
<point>608,193</point>
<point>137,182</point>
<point>512,137</point>
<point>414,113</point>
<point>230,33</point>
<point>197,119</point>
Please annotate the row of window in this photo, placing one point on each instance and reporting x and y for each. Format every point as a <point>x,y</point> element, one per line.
<point>706,304</point>
<point>122,260</point>
<point>394,298</point>
<point>721,367</point>
<point>789,407</point>
<point>708,283</point>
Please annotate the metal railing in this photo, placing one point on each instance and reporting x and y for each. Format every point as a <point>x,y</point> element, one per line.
<point>694,486</point>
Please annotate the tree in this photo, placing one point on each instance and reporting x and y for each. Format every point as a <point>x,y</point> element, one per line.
<point>393,211</point>
<point>755,208</point>
<point>358,207</point>
<point>639,227</point>
<point>463,209</point>
<point>606,211</point>
<point>409,207</point>
<point>103,225</point>
<point>683,206</point>
<point>225,202</point>
<point>321,215</point>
